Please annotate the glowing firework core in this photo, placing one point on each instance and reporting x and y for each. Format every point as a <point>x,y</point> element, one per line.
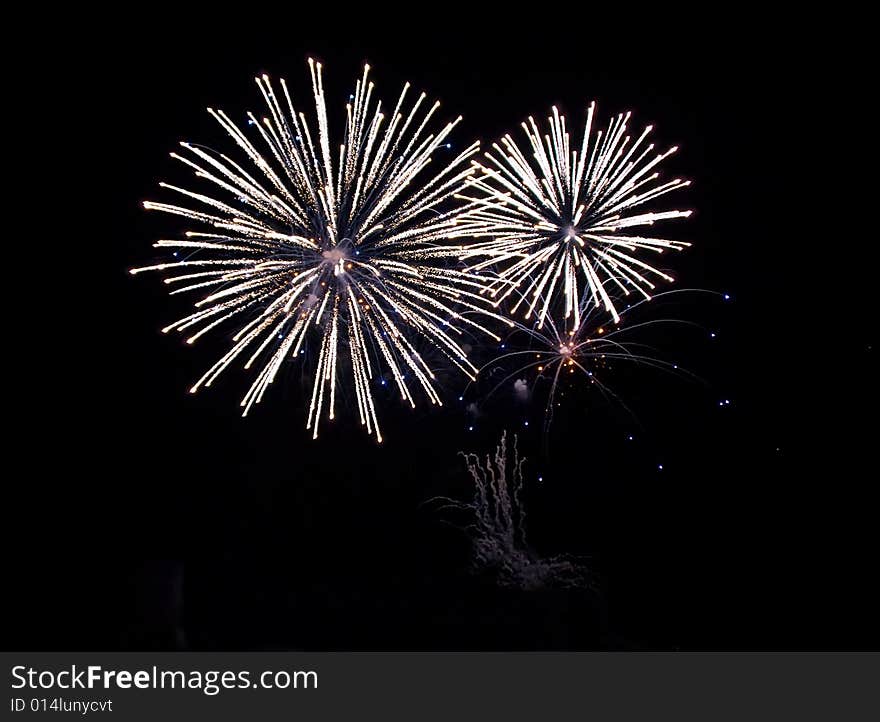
<point>335,255</point>
<point>336,259</point>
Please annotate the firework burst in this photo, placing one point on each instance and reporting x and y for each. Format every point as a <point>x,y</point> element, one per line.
<point>549,354</point>
<point>342,249</point>
<point>562,222</point>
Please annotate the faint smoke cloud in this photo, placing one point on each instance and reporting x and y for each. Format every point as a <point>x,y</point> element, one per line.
<point>496,523</point>
<point>521,390</point>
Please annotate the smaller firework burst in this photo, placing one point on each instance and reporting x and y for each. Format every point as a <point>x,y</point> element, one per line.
<point>550,355</point>
<point>562,221</point>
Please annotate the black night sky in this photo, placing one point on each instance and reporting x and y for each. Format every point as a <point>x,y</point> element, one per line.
<point>760,530</point>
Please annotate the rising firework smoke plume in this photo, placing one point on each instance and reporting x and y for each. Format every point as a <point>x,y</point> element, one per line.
<point>497,526</point>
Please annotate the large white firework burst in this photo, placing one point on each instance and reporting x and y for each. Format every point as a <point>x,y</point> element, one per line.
<point>343,249</point>
<point>562,220</point>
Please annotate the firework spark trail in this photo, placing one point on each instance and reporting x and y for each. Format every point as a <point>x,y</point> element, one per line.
<point>560,222</point>
<point>352,244</point>
<point>497,526</point>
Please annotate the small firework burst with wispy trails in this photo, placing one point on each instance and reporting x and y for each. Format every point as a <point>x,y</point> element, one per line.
<point>342,249</point>
<point>551,355</point>
<point>563,221</point>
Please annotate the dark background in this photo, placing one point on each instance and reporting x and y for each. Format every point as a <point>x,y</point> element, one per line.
<point>140,516</point>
